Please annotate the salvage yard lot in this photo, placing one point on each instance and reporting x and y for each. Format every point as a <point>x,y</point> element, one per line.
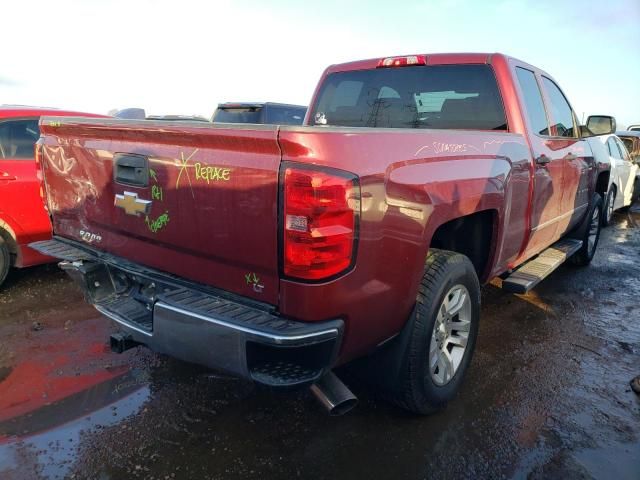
<point>547,394</point>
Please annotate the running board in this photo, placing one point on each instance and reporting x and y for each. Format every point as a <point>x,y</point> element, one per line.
<point>536,270</point>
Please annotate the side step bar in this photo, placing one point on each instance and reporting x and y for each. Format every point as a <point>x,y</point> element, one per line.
<point>531,273</point>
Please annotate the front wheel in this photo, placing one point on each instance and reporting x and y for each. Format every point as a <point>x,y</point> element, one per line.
<point>590,233</point>
<point>443,331</point>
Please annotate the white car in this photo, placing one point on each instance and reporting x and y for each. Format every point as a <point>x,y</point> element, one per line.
<point>609,148</point>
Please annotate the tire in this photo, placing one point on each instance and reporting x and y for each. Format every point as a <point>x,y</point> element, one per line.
<point>589,233</point>
<point>607,209</point>
<point>426,381</point>
<point>5,260</point>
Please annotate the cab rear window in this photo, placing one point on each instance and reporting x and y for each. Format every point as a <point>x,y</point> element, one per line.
<point>446,97</point>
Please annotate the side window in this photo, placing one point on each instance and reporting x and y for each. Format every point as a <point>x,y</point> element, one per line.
<point>613,149</point>
<point>560,110</point>
<point>18,138</point>
<point>628,143</point>
<point>533,101</point>
<point>623,149</point>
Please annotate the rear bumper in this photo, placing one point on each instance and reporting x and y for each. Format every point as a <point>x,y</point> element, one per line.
<point>216,330</point>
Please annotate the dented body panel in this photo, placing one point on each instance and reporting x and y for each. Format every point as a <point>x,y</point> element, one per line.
<point>23,218</point>
<point>213,194</point>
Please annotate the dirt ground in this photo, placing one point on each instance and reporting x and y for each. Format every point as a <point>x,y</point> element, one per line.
<point>547,395</point>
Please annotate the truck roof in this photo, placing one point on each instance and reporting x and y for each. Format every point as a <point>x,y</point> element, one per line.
<point>256,105</point>
<point>432,59</point>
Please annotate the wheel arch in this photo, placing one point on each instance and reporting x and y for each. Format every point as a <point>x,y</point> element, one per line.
<point>9,236</point>
<point>602,183</point>
<point>472,235</point>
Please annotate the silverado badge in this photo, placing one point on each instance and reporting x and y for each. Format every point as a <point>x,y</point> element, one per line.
<point>131,204</point>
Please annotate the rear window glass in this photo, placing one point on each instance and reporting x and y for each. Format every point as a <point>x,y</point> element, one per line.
<point>238,115</point>
<point>18,138</point>
<point>448,97</point>
<point>284,115</point>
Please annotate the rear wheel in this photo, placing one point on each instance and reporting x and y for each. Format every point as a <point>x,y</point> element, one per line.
<point>443,331</point>
<point>590,233</point>
<point>5,260</point>
<point>607,211</point>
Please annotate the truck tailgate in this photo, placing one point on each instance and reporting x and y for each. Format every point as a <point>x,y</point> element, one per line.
<point>197,201</point>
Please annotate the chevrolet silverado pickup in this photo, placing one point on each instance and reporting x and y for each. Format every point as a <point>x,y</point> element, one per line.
<point>277,253</point>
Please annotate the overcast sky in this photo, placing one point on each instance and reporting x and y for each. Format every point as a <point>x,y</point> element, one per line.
<point>185,56</point>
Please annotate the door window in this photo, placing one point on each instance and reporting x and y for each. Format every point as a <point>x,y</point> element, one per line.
<point>613,149</point>
<point>623,149</point>
<point>18,138</point>
<point>563,120</point>
<point>533,101</point>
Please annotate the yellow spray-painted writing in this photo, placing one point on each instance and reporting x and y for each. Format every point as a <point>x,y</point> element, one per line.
<point>157,224</point>
<point>211,173</point>
<point>156,192</point>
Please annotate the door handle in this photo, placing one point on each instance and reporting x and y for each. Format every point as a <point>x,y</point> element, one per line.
<point>5,176</point>
<point>131,169</point>
<point>542,159</point>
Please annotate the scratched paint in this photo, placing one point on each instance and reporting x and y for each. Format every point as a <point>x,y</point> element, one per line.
<point>183,163</point>
<point>254,281</point>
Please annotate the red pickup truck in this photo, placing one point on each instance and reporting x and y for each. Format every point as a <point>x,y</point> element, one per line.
<point>278,252</point>
<point>23,218</point>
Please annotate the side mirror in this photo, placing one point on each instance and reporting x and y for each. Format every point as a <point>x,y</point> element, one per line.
<point>601,124</point>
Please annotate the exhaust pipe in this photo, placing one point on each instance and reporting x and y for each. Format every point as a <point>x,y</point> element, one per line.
<point>334,395</point>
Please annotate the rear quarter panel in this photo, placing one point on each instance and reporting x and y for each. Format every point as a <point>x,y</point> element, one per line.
<point>412,182</point>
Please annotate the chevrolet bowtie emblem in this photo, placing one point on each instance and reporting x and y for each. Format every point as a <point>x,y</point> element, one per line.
<point>131,204</point>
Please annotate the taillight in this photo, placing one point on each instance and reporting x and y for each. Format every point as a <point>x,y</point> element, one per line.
<point>320,221</point>
<point>406,61</point>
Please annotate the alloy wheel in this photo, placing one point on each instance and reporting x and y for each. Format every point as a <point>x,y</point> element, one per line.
<point>450,335</point>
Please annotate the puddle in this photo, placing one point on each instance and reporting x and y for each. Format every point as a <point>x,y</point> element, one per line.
<point>51,452</point>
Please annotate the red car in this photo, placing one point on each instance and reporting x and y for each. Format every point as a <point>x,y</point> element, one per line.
<point>23,218</point>
<point>278,252</point>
